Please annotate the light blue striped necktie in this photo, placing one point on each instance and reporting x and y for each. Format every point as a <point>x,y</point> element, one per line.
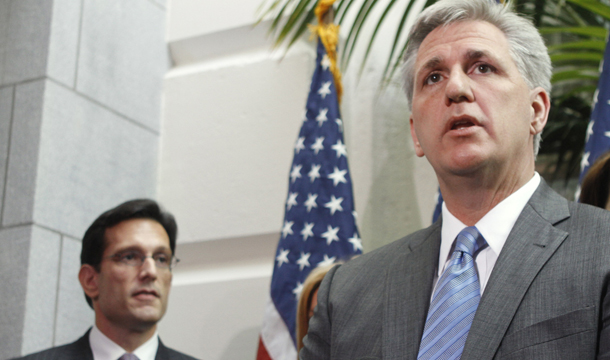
<point>454,302</point>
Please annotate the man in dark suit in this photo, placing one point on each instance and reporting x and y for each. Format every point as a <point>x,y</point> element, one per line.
<point>126,262</point>
<point>512,270</point>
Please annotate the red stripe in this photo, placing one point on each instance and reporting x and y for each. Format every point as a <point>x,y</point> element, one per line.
<point>262,353</point>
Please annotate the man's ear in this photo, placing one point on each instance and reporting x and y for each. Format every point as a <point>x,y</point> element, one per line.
<point>541,105</point>
<point>88,278</point>
<point>418,150</point>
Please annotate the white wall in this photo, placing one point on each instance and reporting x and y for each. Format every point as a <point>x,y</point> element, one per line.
<point>232,110</point>
<point>80,101</point>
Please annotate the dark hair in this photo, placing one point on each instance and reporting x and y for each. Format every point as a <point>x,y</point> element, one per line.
<point>94,240</point>
<point>596,184</point>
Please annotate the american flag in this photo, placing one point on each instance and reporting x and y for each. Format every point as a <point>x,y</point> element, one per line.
<point>598,132</point>
<point>319,223</point>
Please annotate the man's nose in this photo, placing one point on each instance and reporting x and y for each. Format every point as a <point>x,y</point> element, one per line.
<point>148,268</point>
<point>458,88</point>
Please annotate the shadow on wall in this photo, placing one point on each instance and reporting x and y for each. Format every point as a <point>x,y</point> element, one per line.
<point>240,346</point>
<point>392,210</point>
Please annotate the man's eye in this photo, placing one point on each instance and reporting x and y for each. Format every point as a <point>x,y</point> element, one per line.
<point>162,258</point>
<point>483,69</point>
<point>129,256</point>
<point>433,78</point>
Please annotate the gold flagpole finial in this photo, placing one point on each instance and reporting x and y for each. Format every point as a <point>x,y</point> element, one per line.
<point>329,35</point>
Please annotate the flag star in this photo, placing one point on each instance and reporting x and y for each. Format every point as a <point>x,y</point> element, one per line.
<point>311,201</point>
<point>303,260</point>
<point>292,200</point>
<point>295,173</point>
<point>585,161</point>
<point>282,258</point>
<point>325,62</point>
<point>327,261</point>
<point>314,173</point>
<point>607,133</point>
<point>338,176</point>
<point>324,89</point>
<point>334,204</point>
<point>321,118</point>
<point>307,231</point>
<point>297,290</point>
<point>287,229</point>
<point>340,148</point>
<point>356,241</point>
<point>355,215</point>
<point>317,146</point>
<point>300,145</point>
<point>595,95</point>
<point>589,130</point>
<point>339,124</point>
<point>331,234</point>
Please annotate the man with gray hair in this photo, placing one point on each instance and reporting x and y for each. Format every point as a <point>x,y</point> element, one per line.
<point>511,270</point>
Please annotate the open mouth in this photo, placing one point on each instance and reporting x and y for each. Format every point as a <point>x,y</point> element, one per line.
<point>462,124</point>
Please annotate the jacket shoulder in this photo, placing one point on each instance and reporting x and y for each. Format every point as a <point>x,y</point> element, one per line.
<point>384,255</point>
<point>79,349</point>
<point>165,353</point>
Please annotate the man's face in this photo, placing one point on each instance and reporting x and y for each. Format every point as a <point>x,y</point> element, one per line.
<point>471,107</point>
<point>133,297</point>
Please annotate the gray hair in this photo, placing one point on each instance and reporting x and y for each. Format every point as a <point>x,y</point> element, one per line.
<point>526,46</point>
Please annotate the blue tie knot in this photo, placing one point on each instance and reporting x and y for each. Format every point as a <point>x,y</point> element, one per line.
<point>469,240</point>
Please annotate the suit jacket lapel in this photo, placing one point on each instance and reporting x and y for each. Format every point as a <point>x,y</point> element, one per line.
<point>81,349</point>
<point>407,296</point>
<point>162,353</point>
<point>530,244</point>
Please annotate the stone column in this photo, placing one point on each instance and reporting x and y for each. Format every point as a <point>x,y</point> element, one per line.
<point>80,94</point>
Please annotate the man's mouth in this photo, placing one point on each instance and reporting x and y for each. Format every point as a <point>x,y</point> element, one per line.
<point>145,293</point>
<point>461,125</point>
<point>462,122</point>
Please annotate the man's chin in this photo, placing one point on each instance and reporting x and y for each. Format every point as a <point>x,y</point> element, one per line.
<point>147,315</point>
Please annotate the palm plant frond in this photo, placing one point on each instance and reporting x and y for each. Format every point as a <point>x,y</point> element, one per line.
<point>575,32</point>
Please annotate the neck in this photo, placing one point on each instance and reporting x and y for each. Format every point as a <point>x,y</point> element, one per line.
<point>128,339</point>
<point>469,198</point>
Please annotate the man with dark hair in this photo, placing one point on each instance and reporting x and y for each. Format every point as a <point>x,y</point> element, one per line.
<point>126,261</point>
<point>511,270</point>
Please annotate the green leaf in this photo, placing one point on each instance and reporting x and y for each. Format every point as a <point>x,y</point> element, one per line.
<point>386,72</point>
<point>292,20</point>
<point>595,31</point>
<point>381,19</point>
<point>580,45</point>
<point>363,13</point>
<point>577,56</point>
<point>579,74</point>
<point>303,27</point>
<point>342,17</point>
<point>594,6</point>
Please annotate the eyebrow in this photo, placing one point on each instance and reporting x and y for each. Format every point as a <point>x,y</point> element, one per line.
<point>432,63</point>
<point>477,54</point>
<point>139,249</point>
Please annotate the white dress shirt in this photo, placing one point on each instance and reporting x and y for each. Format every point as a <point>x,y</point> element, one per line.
<point>494,226</point>
<point>105,349</point>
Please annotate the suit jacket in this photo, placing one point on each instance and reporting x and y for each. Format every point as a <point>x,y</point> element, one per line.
<point>80,350</point>
<point>547,296</point>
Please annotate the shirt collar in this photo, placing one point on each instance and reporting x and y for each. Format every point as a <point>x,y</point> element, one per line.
<point>105,349</point>
<point>495,226</point>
